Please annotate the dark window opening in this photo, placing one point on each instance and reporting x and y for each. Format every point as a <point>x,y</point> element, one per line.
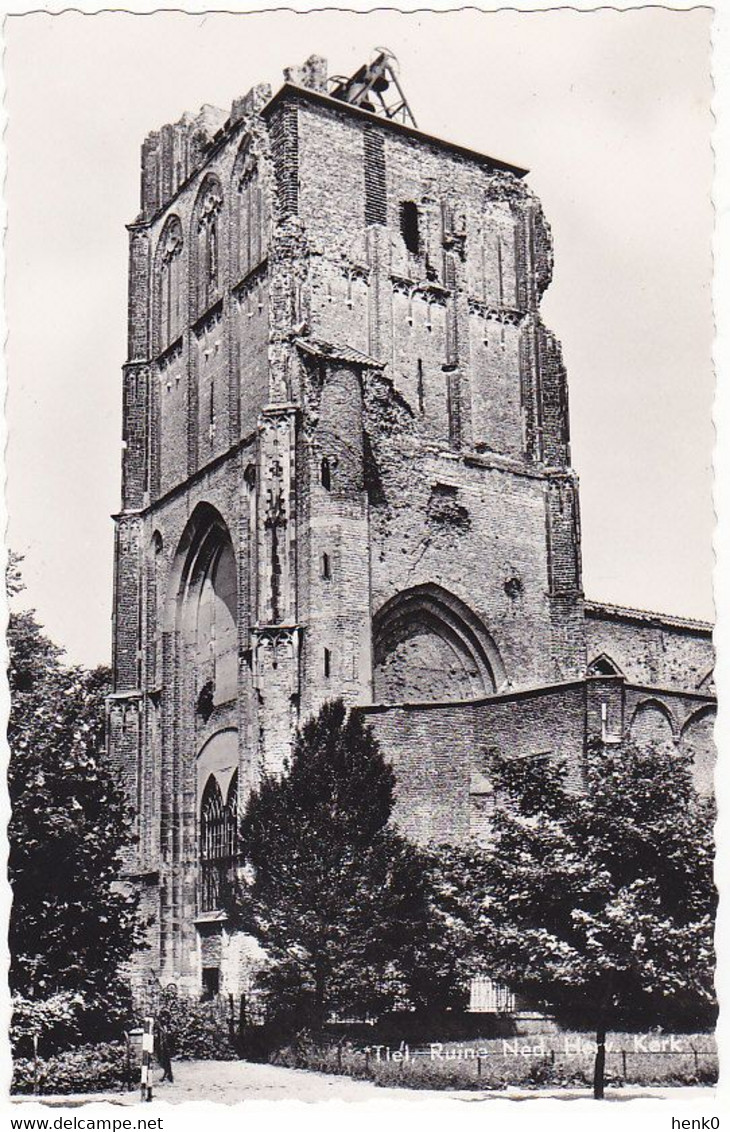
<point>211,982</point>
<point>603,666</point>
<point>213,255</point>
<point>327,661</point>
<point>409,226</point>
<point>204,706</point>
<point>218,843</point>
<point>326,567</point>
<point>326,474</point>
<point>420,390</point>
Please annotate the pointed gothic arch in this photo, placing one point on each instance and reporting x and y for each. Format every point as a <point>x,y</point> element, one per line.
<point>707,683</point>
<point>604,665</point>
<point>697,740</point>
<point>202,607</point>
<point>429,646</point>
<point>206,244</point>
<point>248,201</point>
<point>653,723</point>
<point>168,291</point>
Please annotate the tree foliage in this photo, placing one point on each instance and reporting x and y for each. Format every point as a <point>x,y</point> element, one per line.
<point>339,901</point>
<point>71,926</point>
<point>600,902</point>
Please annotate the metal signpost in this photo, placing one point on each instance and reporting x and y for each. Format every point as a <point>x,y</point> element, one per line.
<point>148,1041</point>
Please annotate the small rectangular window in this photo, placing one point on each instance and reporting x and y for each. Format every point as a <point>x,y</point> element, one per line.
<point>326,574</point>
<point>327,661</point>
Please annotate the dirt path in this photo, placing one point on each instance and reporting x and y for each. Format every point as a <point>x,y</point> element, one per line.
<point>230,1082</point>
<point>233,1081</point>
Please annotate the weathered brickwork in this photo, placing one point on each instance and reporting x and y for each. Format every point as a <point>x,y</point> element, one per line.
<point>443,750</point>
<point>346,472</point>
<point>651,649</point>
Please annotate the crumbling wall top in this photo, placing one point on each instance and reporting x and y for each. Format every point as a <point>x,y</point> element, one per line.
<point>312,74</point>
<point>171,154</point>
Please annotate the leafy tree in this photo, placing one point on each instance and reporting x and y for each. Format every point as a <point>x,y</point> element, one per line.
<point>71,925</point>
<point>599,902</point>
<point>339,901</point>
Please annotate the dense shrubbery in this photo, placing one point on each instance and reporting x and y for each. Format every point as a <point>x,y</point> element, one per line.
<point>88,1069</point>
<point>552,1069</point>
<point>197,1031</point>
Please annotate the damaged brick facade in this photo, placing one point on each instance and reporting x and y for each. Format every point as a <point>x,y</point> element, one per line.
<point>346,472</point>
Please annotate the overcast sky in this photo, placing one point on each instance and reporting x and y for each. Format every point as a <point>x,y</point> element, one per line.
<point>610,112</point>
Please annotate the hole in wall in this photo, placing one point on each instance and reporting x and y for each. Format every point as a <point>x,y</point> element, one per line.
<point>409,226</point>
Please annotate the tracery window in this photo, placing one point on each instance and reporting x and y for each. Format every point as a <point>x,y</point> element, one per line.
<point>206,608</point>
<point>251,213</point>
<point>207,233</point>
<point>218,842</point>
<point>216,633</point>
<point>169,279</point>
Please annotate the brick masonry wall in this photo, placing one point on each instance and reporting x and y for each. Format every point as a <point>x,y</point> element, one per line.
<point>440,753</point>
<point>472,242</point>
<point>209,385</point>
<point>334,597</point>
<point>674,722</point>
<point>157,746</point>
<point>449,472</point>
<point>653,653</point>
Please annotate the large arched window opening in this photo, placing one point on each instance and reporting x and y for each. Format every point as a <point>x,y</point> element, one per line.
<point>250,225</point>
<point>429,647</point>
<point>218,842</point>
<point>207,273</point>
<point>169,274</point>
<point>215,629</point>
<point>205,604</point>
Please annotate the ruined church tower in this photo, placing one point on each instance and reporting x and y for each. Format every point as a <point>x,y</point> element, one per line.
<point>346,472</point>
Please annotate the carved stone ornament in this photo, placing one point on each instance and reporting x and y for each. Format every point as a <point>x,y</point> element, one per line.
<point>508,316</point>
<point>430,291</point>
<point>249,170</point>
<point>211,202</point>
<point>172,242</point>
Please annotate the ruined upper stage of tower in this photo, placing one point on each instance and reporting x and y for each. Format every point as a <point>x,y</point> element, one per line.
<point>172,155</point>
<point>302,217</point>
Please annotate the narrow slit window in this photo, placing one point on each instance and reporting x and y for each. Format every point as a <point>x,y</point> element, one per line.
<point>213,256</point>
<point>326,574</point>
<point>420,391</point>
<point>409,226</point>
<point>326,474</point>
<point>327,661</point>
